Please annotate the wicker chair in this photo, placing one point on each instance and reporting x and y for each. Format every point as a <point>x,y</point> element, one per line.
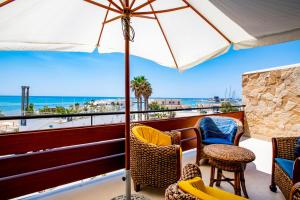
<point>190,171</point>
<point>295,192</point>
<point>234,139</point>
<point>283,151</point>
<point>156,166</point>
<point>174,193</point>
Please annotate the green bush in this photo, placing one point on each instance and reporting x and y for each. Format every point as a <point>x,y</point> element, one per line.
<point>30,108</point>
<point>227,107</point>
<point>155,106</point>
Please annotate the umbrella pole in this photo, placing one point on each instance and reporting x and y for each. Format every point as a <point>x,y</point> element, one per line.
<point>126,32</point>
<point>127,113</point>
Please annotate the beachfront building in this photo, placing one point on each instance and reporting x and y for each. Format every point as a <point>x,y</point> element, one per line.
<point>170,103</point>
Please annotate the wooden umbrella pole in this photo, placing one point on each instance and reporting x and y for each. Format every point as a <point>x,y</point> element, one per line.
<point>127,100</point>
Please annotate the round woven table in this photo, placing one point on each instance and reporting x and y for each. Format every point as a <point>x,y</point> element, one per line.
<point>229,158</point>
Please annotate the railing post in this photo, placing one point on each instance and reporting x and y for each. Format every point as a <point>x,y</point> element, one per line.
<point>91,120</point>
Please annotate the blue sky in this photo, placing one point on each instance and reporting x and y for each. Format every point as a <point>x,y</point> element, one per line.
<point>83,74</point>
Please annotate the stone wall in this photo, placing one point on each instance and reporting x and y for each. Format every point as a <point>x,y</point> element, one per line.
<point>272,99</point>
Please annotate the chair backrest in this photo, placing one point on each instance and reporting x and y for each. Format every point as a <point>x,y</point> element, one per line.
<point>148,134</point>
<point>218,127</point>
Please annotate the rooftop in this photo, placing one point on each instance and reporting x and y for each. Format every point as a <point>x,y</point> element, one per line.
<point>273,69</point>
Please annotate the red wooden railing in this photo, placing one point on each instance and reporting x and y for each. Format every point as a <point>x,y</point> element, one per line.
<point>37,160</point>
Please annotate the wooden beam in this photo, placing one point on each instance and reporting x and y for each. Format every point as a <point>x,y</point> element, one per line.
<point>5,3</point>
<point>103,6</point>
<point>143,16</point>
<point>142,6</point>
<point>166,39</point>
<point>161,11</point>
<point>116,5</point>
<point>122,3</point>
<point>103,24</point>
<point>207,21</point>
<point>112,19</point>
<point>130,7</point>
<point>18,185</point>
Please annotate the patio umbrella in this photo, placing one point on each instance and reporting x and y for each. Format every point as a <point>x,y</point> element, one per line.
<point>174,33</point>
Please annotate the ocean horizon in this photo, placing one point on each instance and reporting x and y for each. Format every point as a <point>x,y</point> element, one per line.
<point>11,104</point>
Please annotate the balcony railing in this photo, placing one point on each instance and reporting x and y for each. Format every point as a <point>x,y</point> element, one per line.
<point>90,119</point>
<point>36,160</point>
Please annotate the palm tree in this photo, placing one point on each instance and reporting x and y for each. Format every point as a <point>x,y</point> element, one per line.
<point>137,85</point>
<point>147,92</point>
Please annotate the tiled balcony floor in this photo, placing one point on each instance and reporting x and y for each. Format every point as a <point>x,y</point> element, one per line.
<point>257,177</point>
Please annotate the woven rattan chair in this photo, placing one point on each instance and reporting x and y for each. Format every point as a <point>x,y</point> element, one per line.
<point>202,139</point>
<point>173,192</point>
<point>190,172</point>
<point>152,165</point>
<point>284,175</point>
<point>295,192</point>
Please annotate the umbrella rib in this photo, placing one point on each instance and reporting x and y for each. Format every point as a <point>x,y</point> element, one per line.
<point>143,16</point>
<point>103,6</point>
<point>142,5</point>
<point>165,37</point>
<point>161,11</point>
<point>102,28</point>
<point>207,21</point>
<point>123,5</point>
<point>133,1</point>
<point>5,3</point>
<point>112,19</point>
<point>116,5</point>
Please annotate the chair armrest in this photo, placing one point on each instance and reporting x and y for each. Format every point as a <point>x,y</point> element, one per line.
<point>284,147</point>
<point>296,171</point>
<point>199,140</point>
<point>175,136</point>
<point>239,132</point>
<point>295,191</point>
<point>237,138</point>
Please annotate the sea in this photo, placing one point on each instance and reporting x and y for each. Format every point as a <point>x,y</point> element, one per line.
<point>11,105</point>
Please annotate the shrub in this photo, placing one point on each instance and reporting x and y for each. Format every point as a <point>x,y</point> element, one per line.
<point>227,107</point>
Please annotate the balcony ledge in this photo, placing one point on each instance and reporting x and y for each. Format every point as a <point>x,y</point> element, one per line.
<point>257,177</point>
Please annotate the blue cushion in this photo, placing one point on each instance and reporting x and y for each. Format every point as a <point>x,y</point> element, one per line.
<point>297,149</point>
<point>218,127</point>
<point>286,165</point>
<point>216,141</point>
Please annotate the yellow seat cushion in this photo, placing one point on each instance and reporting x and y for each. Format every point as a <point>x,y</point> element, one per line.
<point>197,188</point>
<point>148,134</point>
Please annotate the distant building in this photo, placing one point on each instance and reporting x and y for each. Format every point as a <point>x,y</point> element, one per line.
<point>217,99</point>
<point>169,103</point>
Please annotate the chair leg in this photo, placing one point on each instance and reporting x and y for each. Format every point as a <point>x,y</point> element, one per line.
<point>273,187</point>
<point>237,183</point>
<point>219,177</point>
<point>137,187</point>
<point>212,176</point>
<point>244,185</point>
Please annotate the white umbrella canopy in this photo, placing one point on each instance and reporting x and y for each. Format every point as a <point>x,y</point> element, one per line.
<point>182,34</point>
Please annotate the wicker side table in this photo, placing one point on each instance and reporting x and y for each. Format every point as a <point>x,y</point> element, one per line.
<point>229,158</point>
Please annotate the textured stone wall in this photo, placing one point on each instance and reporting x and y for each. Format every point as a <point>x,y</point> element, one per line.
<point>272,99</point>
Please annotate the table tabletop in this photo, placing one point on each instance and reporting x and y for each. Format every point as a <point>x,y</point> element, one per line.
<point>229,153</point>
